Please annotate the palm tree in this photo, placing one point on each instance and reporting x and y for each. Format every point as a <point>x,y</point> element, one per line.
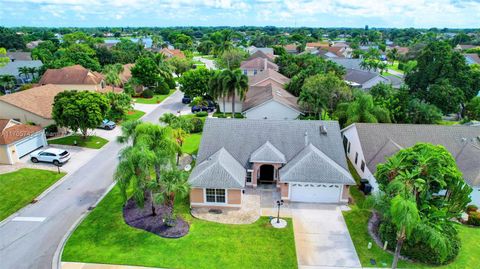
<point>24,71</point>
<point>362,109</point>
<point>33,71</point>
<point>179,135</point>
<point>7,81</point>
<point>392,55</point>
<point>112,75</point>
<point>236,83</point>
<point>216,88</point>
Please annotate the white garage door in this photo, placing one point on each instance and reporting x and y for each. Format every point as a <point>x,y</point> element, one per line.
<point>30,144</point>
<point>315,193</point>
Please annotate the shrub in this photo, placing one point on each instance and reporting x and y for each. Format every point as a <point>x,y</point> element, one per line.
<point>416,250</point>
<point>471,208</point>
<point>162,88</point>
<point>202,114</point>
<point>238,116</point>
<point>147,93</point>
<point>51,130</point>
<point>197,125</point>
<point>474,218</point>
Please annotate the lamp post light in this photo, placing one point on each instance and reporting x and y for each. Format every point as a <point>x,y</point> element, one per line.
<point>279,204</point>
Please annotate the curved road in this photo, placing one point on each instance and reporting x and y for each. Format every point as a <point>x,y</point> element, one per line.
<point>32,244</point>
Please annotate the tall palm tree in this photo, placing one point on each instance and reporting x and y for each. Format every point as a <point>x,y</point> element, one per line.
<point>24,71</point>
<point>33,71</point>
<point>216,88</point>
<point>236,83</point>
<point>179,135</point>
<point>112,75</point>
<point>362,109</point>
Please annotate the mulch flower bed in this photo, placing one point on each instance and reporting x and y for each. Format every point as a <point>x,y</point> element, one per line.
<point>142,218</point>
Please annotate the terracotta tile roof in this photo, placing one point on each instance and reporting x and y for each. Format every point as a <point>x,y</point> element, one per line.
<point>15,131</point>
<point>290,47</point>
<point>257,95</point>
<point>261,54</point>
<point>38,100</point>
<point>318,44</point>
<point>127,73</point>
<point>75,75</point>
<point>268,74</point>
<point>172,52</point>
<point>259,64</point>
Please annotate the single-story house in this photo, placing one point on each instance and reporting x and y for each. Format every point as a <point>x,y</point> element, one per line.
<point>261,54</point>
<point>368,144</point>
<point>252,49</point>
<point>18,140</point>
<point>12,69</point>
<point>126,74</point>
<point>303,160</point>
<point>363,79</point>
<point>257,65</point>
<point>169,53</point>
<point>472,58</point>
<point>291,48</point>
<point>19,56</point>
<point>270,102</point>
<point>317,45</point>
<point>74,77</point>
<point>34,44</point>
<point>32,105</point>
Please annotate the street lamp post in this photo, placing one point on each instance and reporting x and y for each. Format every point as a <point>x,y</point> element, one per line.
<point>279,203</point>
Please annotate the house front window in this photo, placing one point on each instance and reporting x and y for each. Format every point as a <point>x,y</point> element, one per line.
<point>362,166</point>
<point>348,147</point>
<point>245,72</point>
<point>254,72</point>
<point>215,196</point>
<point>356,157</point>
<point>249,176</point>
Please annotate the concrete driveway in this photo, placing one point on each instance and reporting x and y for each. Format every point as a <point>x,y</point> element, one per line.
<point>321,237</point>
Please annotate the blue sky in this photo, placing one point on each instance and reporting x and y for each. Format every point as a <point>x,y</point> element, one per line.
<point>319,13</point>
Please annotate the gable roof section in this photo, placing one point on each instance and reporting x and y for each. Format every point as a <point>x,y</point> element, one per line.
<point>257,95</point>
<point>267,153</point>
<point>220,170</point>
<point>359,76</point>
<point>12,131</point>
<point>126,73</point>
<point>261,54</point>
<point>312,165</point>
<point>74,75</point>
<point>19,55</point>
<point>38,100</point>
<point>380,141</point>
<point>241,137</point>
<point>259,64</point>
<point>268,74</point>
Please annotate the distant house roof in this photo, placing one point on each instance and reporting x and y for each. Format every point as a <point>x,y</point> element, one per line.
<point>12,131</point>
<point>257,95</point>
<point>379,141</point>
<point>172,53</point>
<point>11,68</point>
<point>472,58</point>
<point>19,56</point>
<point>219,170</point>
<point>74,75</point>
<point>127,73</point>
<point>291,48</point>
<point>318,44</point>
<point>253,49</point>
<point>268,74</point>
<point>259,64</point>
<point>321,169</point>
<point>348,63</point>
<point>466,47</point>
<point>261,54</point>
<point>34,44</point>
<point>38,100</point>
<point>359,77</point>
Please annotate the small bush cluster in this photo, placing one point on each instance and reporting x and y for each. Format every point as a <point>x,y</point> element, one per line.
<point>473,215</point>
<point>201,114</point>
<point>472,208</point>
<point>147,93</point>
<point>197,125</point>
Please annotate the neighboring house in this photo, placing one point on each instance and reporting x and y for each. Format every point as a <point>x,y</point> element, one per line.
<point>74,77</point>
<point>472,58</point>
<point>400,50</point>
<point>317,45</point>
<point>169,53</point>
<point>303,160</point>
<point>12,69</point>
<point>291,48</point>
<point>465,47</point>
<point>34,44</point>
<point>348,63</point>
<point>265,78</point>
<point>126,75</point>
<point>261,54</point>
<point>32,105</point>
<point>252,49</point>
<point>17,140</point>
<point>19,56</point>
<point>257,65</point>
<point>363,79</point>
<point>369,144</point>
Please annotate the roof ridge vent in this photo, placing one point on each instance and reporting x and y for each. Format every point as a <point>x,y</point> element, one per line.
<point>323,129</point>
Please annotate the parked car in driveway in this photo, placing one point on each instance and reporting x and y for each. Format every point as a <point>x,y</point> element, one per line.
<point>50,155</point>
<point>107,125</point>
<point>186,99</point>
<point>210,107</point>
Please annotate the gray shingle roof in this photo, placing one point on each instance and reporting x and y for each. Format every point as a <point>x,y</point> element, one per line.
<point>242,137</point>
<point>11,68</point>
<point>220,170</point>
<point>359,76</point>
<point>312,165</point>
<point>382,140</point>
<point>267,153</point>
<point>348,63</point>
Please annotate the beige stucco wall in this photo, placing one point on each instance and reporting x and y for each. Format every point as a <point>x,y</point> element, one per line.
<point>234,197</point>
<point>284,190</point>
<point>4,154</point>
<point>345,192</point>
<point>196,195</point>
<point>9,111</point>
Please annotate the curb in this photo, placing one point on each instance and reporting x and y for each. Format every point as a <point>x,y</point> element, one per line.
<point>57,257</point>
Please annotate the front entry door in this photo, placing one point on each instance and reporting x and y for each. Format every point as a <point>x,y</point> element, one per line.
<point>266,174</point>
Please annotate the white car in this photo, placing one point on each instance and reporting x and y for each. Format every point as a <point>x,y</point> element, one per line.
<point>50,155</point>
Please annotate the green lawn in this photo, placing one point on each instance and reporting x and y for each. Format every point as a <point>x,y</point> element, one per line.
<point>134,115</point>
<point>93,142</point>
<point>228,115</point>
<point>191,143</point>
<point>394,67</point>
<point>156,99</point>
<point>19,188</point>
<point>103,237</point>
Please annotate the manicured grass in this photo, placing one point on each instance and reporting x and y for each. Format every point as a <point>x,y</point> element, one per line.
<point>19,188</point>
<point>228,115</point>
<point>448,123</point>
<point>103,237</point>
<point>156,99</point>
<point>134,115</point>
<point>93,142</point>
<point>394,67</point>
<point>191,143</point>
